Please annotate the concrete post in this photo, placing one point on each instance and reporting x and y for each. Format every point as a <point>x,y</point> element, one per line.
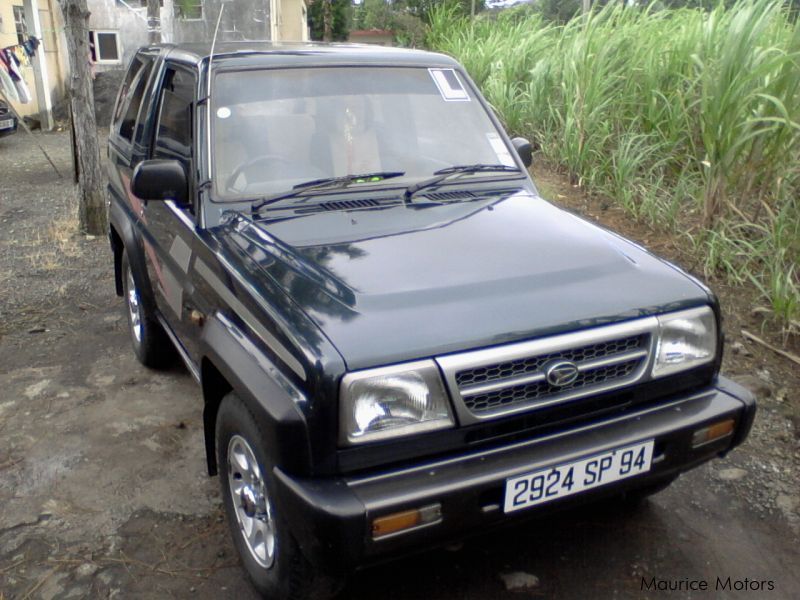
<point>153,22</point>
<point>39,62</point>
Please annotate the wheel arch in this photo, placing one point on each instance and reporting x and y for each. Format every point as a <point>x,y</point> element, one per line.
<point>123,237</point>
<point>117,247</point>
<point>231,363</point>
<point>215,387</point>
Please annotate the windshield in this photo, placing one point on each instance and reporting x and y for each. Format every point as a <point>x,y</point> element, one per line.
<point>274,129</point>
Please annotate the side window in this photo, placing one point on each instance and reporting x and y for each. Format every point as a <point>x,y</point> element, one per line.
<point>135,93</point>
<point>125,90</point>
<point>173,137</point>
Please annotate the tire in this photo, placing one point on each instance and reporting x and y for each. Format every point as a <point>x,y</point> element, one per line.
<point>150,344</point>
<point>270,554</point>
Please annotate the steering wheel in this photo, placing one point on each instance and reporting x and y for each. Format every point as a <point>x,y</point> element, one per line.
<point>263,158</point>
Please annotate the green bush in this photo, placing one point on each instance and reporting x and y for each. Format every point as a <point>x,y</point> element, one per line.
<point>689,118</point>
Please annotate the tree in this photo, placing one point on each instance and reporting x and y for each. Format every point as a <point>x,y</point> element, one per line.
<point>422,8</point>
<point>390,15</point>
<point>91,199</point>
<point>338,19</point>
<point>559,11</point>
<point>376,14</point>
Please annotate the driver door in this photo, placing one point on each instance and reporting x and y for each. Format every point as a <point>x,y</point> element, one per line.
<point>171,227</point>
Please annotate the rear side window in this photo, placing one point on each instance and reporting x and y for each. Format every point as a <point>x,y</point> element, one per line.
<point>124,90</point>
<point>174,132</point>
<point>130,99</point>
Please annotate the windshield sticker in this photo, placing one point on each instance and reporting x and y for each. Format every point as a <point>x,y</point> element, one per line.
<point>223,112</point>
<point>500,150</point>
<point>450,86</point>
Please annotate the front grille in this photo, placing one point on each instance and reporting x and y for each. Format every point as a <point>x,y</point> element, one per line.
<point>498,381</point>
<point>531,365</point>
<point>541,389</point>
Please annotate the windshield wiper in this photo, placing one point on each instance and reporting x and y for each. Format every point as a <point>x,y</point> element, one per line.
<point>327,182</point>
<point>447,172</point>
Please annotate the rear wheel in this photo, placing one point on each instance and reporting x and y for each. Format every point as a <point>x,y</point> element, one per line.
<point>152,346</point>
<point>269,552</point>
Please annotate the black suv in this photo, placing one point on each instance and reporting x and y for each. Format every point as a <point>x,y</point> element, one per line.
<point>399,343</point>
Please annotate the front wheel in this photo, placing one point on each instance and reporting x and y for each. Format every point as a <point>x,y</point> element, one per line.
<point>269,553</point>
<point>151,345</point>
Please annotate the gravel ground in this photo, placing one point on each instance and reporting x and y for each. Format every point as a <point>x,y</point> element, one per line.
<point>102,475</point>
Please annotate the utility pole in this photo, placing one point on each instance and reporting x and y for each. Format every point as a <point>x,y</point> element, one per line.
<point>587,6</point>
<point>473,9</point>
<point>91,199</point>
<point>153,21</point>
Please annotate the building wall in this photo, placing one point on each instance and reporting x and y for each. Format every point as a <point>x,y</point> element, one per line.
<point>241,20</point>
<point>51,48</point>
<point>8,37</point>
<point>130,23</point>
<point>292,21</point>
<point>367,37</point>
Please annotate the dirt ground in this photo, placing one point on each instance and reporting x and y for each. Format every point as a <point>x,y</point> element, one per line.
<point>102,478</point>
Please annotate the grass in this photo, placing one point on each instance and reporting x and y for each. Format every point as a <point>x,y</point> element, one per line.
<point>53,248</point>
<point>689,119</point>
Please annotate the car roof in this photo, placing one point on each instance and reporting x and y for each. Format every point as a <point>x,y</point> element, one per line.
<point>276,54</point>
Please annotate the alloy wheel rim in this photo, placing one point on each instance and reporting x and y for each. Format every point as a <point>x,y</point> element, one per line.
<point>250,502</point>
<point>134,309</point>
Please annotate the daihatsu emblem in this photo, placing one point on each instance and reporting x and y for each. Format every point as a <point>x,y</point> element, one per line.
<point>561,373</point>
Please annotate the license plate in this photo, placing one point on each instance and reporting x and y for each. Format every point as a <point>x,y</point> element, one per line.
<point>7,124</point>
<point>574,477</point>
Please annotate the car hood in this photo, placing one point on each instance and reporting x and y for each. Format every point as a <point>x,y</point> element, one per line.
<point>401,283</point>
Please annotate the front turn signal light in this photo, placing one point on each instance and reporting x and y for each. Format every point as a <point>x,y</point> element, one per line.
<point>712,433</point>
<point>406,520</point>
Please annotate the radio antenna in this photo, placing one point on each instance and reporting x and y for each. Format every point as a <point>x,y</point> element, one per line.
<point>208,87</point>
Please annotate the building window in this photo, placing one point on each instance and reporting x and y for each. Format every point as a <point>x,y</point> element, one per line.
<point>19,24</point>
<point>104,47</point>
<point>189,10</point>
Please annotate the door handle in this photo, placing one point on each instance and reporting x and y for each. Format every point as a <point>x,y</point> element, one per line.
<point>194,316</point>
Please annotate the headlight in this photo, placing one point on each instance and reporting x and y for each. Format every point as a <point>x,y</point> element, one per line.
<point>686,339</point>
<point>392,401</point>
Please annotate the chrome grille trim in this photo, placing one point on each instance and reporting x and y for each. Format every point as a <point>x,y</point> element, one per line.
<point>632,363</point>
<point>499,384</point>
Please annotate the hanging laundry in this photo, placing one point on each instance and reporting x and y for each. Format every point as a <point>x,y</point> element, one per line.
<point>7,85</point>
<point>12,58</point>
<point>4,61</point>
<point>12,63</point>
<point>30,46</point>
<point>19,52</point>
<point>23,91</point>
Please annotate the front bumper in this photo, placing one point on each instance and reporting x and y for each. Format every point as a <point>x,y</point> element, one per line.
<point>331,518</point>
<point>8,130</point>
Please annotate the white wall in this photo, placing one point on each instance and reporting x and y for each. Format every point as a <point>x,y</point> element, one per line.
<point>129,23</point>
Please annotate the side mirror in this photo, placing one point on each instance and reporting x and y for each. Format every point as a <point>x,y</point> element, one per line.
<point>160,180</point>
<point>524,149</point>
